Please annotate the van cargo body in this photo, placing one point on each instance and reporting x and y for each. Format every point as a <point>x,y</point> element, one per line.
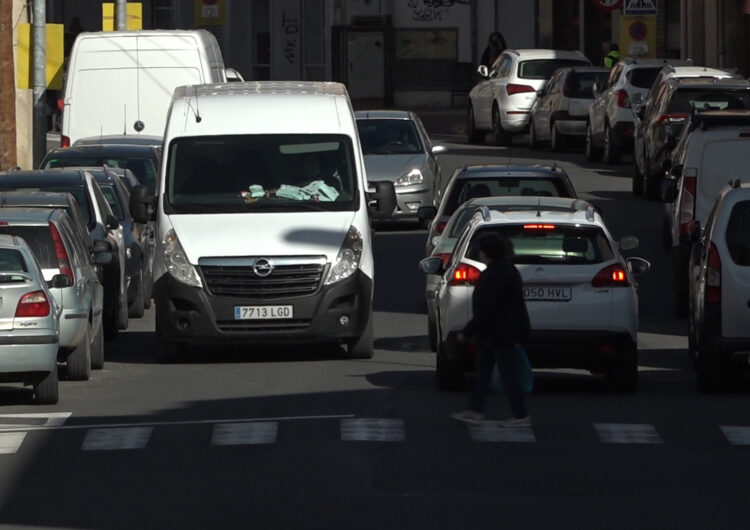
<point>263,231</point>
<point>122,82</point>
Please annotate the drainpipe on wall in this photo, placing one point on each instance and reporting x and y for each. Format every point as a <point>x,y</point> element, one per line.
<point>39,80</point>
<point>121,15</point>
<point>722,34</point>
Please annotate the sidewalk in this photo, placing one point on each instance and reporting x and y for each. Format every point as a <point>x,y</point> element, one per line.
<point>443,120</point>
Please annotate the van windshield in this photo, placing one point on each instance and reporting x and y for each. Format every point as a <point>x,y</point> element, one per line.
<point>280,172</point>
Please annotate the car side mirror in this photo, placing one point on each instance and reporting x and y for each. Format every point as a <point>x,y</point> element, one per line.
<point>382,201</point>
<point>111,222</point>
<point>638,265</point>
<point>140,202</point>
<point>629,243</point>
<point>483,71</point>
<point>668,191</point>
<point>103,258</point>
<point>437,149</point>
<point>432,265</point>
<point>101,245</point>
<point>425,214</point>
<point>60,281</point>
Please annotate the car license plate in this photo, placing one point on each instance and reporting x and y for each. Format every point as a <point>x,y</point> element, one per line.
<point>547,293</point>
<point>263,312</point>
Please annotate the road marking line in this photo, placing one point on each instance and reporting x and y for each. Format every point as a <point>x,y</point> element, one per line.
<point>168,423</point>
<point>113,439</point>
<point>736,435</point>
<point>627,433</point>
<point>490,431</point>
<point>261,432</point>
<point>53,420</point>
<point>372,430</point>
<point>10,442</point>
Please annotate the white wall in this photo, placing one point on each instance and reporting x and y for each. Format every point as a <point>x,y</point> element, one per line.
<point>517,21</point>
<point>421,14</point>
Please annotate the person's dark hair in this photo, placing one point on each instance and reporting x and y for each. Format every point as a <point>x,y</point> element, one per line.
<point>500,39</point>
<point>495,246</point>
<point>614,47</point>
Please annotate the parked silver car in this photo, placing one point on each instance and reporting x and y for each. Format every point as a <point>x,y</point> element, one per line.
<point>29,321</point>
<point>59,251</point>
<point>396,147</point>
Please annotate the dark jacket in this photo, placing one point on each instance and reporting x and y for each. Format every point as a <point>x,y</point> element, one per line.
<point>500,315</point>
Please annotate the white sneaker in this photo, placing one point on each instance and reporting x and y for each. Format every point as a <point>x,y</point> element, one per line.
<point>469,416</point>
<point>510,423</point>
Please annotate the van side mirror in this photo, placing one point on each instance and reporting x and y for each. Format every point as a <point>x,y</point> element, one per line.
<point>668,191</point>
<point>437,149</point>
<point>483,71</point>
<point>101,245</point>
<point>140,201</point>
<point>60,281</point>
<point>383,201</point>
<point>103,258</point>
<point>111,222</point>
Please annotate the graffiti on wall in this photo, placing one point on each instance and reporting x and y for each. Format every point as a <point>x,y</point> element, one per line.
<point>432,10</point>
<point>291,36</point>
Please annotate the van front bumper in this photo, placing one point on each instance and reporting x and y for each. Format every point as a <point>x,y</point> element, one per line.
<point>334,313</point>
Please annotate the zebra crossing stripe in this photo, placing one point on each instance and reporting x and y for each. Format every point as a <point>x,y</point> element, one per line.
<point>736,435</point>
<point>490,431</point>
<point>627,433</point>
<point>115,439</point>
<point>10,442</point>
<point>262,432</point>
<point>372,430</point>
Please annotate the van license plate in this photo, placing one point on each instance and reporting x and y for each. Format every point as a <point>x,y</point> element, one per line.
<point>547,293</point>
<point>263,312</point>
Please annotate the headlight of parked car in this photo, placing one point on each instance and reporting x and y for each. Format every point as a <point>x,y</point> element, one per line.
<point>347,261</point>
<point>410,179</point>
<point>177,262</point>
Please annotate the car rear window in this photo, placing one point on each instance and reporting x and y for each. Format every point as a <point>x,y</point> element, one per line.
<point>683,100</point>
<point>544,68</point>
<point>643,77</point>
<point>538,244</point>
<point>465,189</point>
<point>11,261</point>
<point>738,235</point>
<point>581,84</point>
<point>40,241</point>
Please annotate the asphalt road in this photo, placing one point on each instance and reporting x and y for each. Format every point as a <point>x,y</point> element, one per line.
<point>303,438</point>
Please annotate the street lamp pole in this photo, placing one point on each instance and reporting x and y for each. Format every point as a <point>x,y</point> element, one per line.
<point>121,15</point>
<point>39,80</point>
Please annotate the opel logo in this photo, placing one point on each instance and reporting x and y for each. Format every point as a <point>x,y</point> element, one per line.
<point>262,267</point>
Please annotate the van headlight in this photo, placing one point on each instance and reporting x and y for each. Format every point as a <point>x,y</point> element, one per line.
<point>176,261</point>
<point>347,262</point>
<point>410,179</point>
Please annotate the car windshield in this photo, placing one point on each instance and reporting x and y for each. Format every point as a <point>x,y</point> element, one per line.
<point>544,68</point>
<point>465,189</point>
<point>281,172</point>
<point>683,100</point>
<point>109,192</point>
<point>643,77</point>
<point>581,84</point>
<point>388,136</point>
<point>536,244</point>
<point>39,240</point>
<point>143,167</point>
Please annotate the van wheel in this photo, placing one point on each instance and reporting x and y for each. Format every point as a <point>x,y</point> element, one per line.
<point>97,350</point>
<point>556,140</point>
<point>449,371</point>
<point>363,347</point>
<point>592,152</point>
<point>473,135</point>
<point>136,309</point>
<point>46,389</point>
<point>79,362</point>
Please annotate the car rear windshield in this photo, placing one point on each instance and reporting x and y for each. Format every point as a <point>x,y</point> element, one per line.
<point>269,172</point>
<point>738,235</point>
<point>581,84</point>
<point>11,261</point>
<point>538,244</point>
<point>544,68</point>
<point>643,77</point>
<point>683,100</point>
<point>78,192</point>
<point>388,137</point>
<point>38,237</point>
<point>465,189</point>
<point>142,167</point>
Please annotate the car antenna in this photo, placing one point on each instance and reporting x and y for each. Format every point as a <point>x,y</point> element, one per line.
<point>124,121</point>
<point>197,110</point>
<point>539,206</point>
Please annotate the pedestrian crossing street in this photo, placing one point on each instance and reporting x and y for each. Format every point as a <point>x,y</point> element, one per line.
<point>351,430</point>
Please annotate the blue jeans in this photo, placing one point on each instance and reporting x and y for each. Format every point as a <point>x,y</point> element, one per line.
<point>504,356</point>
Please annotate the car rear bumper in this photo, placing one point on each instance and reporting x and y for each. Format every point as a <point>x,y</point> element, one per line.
<point>622,134</point>
<point>32,354</point>
<point>515,121</point>
<point>191,314</point>
<point>572,126</point>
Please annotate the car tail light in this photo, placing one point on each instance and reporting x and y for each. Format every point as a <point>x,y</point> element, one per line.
<point>445,256</point>
<point>63,260</point>
<point>440,226</point>
<point>60,104</point>
<point>33,304</point>
<point>687,204</point>
<point>713,276</point>
<point>513,88</point>
<point>623,100</point>
<point>670,118</point>
<point>465,274</point>
<point>539,227</point>
<point>612,276</point>
<point>64,141</point>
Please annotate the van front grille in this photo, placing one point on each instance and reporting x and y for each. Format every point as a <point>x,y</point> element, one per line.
<point>257,326</point>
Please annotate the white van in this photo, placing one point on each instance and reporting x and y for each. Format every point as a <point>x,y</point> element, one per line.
<point>121,82</point>
<point>262,220</point>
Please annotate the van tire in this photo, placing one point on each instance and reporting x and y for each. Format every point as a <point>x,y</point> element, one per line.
<point>363,347</point>
<point>79,361</point>
<point>46,388</point>
<point>122,313</point>
<point>97,350</point>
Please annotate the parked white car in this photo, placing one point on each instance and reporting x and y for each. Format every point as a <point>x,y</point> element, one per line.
<point>501,101</point>
<point>580,292</point>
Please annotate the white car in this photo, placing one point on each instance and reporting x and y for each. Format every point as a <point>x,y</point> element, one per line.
<point>580,292</point>
<point>719,334</point>
<point>501,101</point>
<point>609,131</point>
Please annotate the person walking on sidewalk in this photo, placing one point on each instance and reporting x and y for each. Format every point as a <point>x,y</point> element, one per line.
<point>500,322</point>
<point>495,46</point>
